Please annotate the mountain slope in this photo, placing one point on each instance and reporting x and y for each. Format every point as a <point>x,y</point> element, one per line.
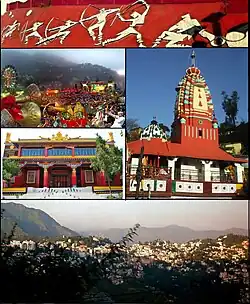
<point>30,221</point>
<point>173,233</point>
<point>46,67</point>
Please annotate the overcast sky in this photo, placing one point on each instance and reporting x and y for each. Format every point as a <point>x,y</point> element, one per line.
<point>110,58</point>
<point>28,133</point>
<point>94,215</point>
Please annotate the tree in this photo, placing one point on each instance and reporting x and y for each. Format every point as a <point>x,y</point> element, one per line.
<point>108,159</point>
<point>224,129</point>
<point>230,107</point>
<point>10,169</point>
<point>164,128</point>
<point>132,123</point>
<point>133,129</point>
<point>135,134</point>
<point>59,276</point>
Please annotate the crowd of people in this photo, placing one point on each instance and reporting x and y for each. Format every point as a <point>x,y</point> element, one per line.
<point>91,104</point>
<point>76,107</point>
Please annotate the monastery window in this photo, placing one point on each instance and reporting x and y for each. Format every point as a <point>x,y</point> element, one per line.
<point>32,152</point>
<point>200,133</point>
<point>60,152</point>
<point>89,176</point>
<point>31,177</point>
<point>85,151</point>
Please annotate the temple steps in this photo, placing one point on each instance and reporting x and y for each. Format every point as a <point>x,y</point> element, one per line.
<point>59,193</point>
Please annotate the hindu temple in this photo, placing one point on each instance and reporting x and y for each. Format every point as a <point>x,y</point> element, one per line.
<point>191,162</point>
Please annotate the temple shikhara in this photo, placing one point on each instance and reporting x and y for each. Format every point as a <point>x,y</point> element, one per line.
<point>56,162</point>
<point>191,162</point>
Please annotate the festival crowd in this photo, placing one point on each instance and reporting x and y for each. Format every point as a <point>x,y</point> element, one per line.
<point>92,104</point>
<point>76,107</point>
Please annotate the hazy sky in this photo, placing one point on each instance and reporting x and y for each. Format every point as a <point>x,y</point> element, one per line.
<point>93,215</point>
<point>110,58</point>
<point>84,133</point>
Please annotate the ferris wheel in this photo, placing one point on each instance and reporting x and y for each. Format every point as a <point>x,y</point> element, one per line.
<point>9,77</point>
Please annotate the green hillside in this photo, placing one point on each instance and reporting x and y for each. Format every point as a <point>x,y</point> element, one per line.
<point>30,222</point>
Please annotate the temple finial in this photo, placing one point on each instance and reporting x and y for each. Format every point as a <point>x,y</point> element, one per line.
<point>193,57</point>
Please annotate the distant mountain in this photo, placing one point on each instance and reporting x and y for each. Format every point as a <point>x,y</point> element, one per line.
<point>46,68</point>
<point>172,233</point>
<point>35,222</point>
<point>31,222</point>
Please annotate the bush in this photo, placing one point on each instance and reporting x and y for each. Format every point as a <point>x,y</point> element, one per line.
<point>56,275</point>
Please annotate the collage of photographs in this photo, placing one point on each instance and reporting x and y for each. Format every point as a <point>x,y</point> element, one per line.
<point>124,151</point>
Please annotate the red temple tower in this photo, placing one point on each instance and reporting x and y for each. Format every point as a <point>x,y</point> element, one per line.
<point>194,122</point>
<point>191,162</point>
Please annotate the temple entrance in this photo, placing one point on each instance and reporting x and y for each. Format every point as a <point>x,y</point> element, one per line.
<point>60,181</point>
<point>60,178</point>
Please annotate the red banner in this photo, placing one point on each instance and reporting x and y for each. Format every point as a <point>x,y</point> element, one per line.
<point>178,23</point>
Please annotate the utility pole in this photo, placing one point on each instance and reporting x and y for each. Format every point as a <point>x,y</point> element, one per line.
<point>139,174</point>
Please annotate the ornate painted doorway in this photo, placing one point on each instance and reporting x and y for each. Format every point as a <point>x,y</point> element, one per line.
<point>60,178</point>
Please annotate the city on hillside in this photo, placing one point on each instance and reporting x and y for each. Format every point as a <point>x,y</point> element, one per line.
<point>65,265</point>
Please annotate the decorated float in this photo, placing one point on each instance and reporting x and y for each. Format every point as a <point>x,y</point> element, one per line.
<point>124,23</point>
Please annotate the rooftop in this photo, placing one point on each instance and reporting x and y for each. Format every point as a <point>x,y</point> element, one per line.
<point>156,146</point>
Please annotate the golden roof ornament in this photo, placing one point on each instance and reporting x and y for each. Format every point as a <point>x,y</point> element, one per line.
<point>8,136</point>
<point>111,137</point>
<point>59,137</point>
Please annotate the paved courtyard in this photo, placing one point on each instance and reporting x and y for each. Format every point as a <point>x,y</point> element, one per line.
<point>59,193</point>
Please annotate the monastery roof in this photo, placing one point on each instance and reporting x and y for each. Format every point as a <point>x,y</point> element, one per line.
<point>57,138</point>
<point>45,140</point>
<point>156,146</point>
